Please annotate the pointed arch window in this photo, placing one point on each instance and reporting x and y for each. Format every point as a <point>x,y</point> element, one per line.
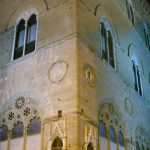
<point>20,35</point>
<point>147,38</point>
<point>90,146</point>
<point>35,126</point>
<point>112,134</point>
<point>143,147</point>
<point>25,37</point>
<point>3,133</point>
<point>31,34</point>
<point>107,45</point>
<point>57,144</point>
<point>137,146</point>
<point>121,139</point>
<point>130,11</point>
<point>137,79</point>
<point>111,51</point>
<point>18,130</point>
<point>102,129</point>
<point>104,42</point>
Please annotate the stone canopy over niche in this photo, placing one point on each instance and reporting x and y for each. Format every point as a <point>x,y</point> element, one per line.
<point>21,109</point>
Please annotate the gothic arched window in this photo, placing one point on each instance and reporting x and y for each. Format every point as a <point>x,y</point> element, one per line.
<point>147,37</point>
<point>35,126</point>
<point>137,146</point>
<point>121,140</point>
<point>104,42</point>
<point>102,129</point>
<point>3,133</point>
<point>31,34</point>
<point>107,45</point>
<point>57,144</point>
<point>19,43</point>
<point>112,134</point>
<point>130,11</point>
<point>137,79</point>
<point>111,50</point>
<point>143,147</point>
<point>90,146</point>
<point>25,37</point>
<point>18,130</point>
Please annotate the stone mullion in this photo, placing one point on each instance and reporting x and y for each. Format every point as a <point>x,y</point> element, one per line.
<point>117,140</point>
<point>25,130</point>
<point>14,42</point>
<point>108,137</point>
<point>42,136</point>
<point>125,143</point>
<point>99,139</point>
<point>107,47</point>
<point>25,38</point>
<point>100,35</point>
<point>9,139</point>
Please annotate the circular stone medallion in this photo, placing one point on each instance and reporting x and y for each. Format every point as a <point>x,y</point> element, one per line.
<point>57,71</point>
<point>89,74</point>
<point>128,106</point>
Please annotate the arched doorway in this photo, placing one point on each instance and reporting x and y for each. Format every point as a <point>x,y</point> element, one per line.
<point>90,146</point>
<point>57,144</point>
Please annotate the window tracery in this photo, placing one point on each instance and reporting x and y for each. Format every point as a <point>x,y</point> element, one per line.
<point>23,112</point>
<point>137,79</point>
<point>25,36</point>
<point>107,44</point>
<point>130,11</point>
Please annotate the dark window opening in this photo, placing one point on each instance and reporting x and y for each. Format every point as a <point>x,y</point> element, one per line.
<point>57,144</point>
<point>139,82</point>
<point>102,129</point>
<point>18,130</point>
<point>3,133</point>
<point>137,146</point>
<point>19,43</point>
<point>132,15</point>
<point>135,77</point>
<point>112,135</point>
<point>31,35</point>
<point>143,147</point>
<point>90,146</point>
<point>35,126</point>
<point>121,140</point>
<point>110,48</point>
<point>104,42</point>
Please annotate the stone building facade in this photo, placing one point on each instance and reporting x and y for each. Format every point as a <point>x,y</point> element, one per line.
<point>74,75</point>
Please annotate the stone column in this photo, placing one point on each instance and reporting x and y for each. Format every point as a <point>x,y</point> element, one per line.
<point>14,42</point>
<point>25,38</point>
<point>108,138</point>
<point>42,136</point>
<point>9,139</point>
<point>107,47</point>
<point>25,130</point>
<point>117,140</point>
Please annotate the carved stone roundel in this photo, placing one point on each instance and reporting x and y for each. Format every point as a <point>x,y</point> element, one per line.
<point>57,71</point>
<point>128,106</point>
<point>89,74</point>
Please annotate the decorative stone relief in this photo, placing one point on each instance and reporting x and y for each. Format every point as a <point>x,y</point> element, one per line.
<point>141,136</point>
<point>57,71</point>
<point>90,135</point>
<point>22,109</point>
<point>89,74</point>
<point>57,129</point>
<point>128,106</point>
<point>110,117</point>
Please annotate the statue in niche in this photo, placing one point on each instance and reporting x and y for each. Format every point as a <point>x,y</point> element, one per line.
<point>90,75</point>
